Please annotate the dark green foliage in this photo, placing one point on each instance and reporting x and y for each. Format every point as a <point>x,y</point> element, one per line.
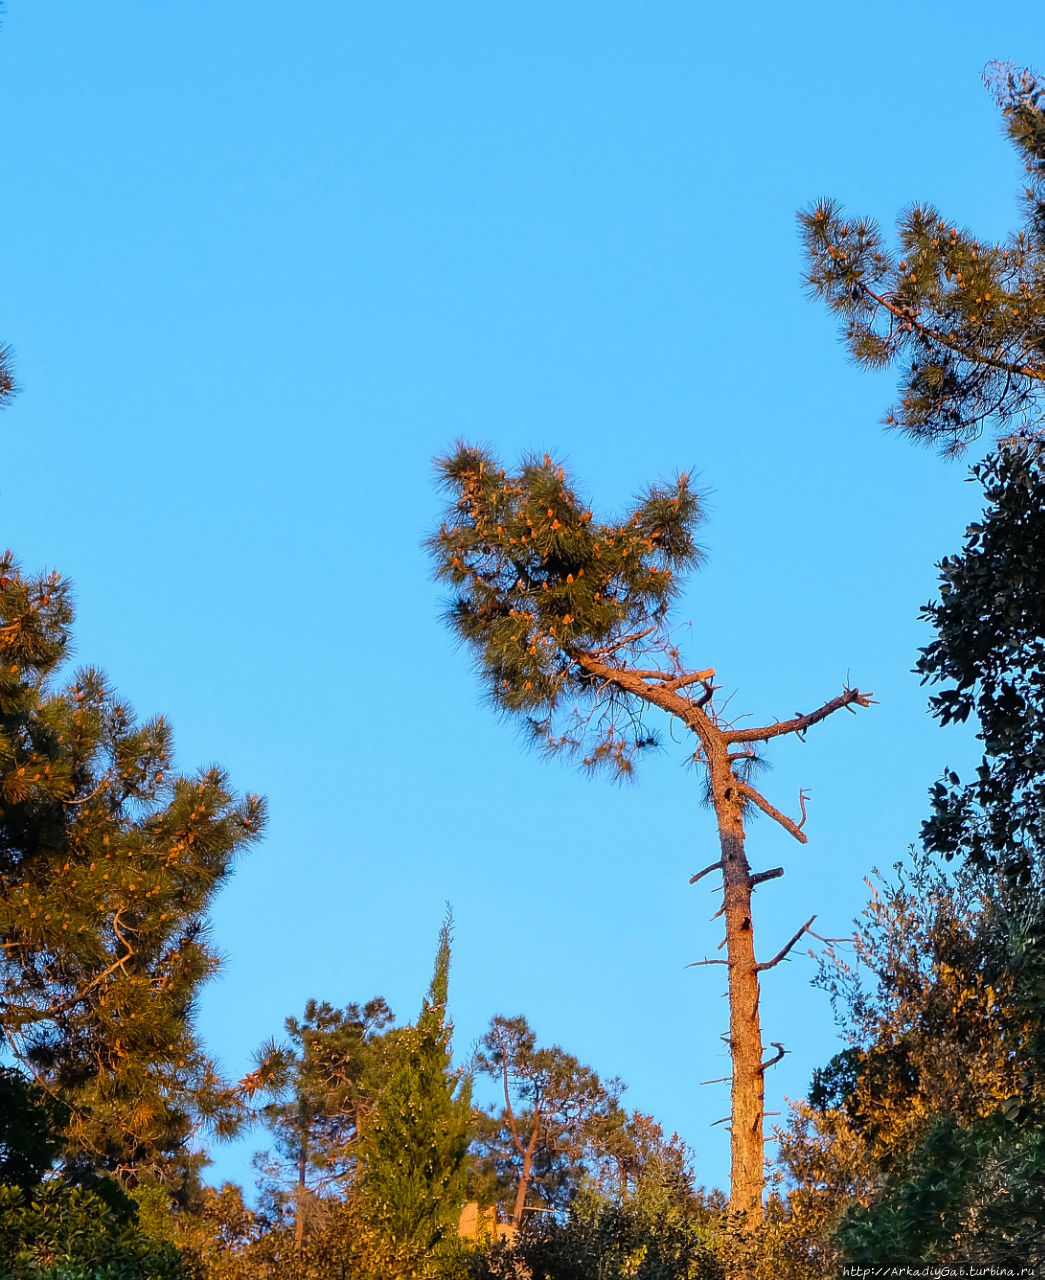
<point>963,317</point>
<point>537,582</point>
<point>58,1232</point>
<point>414,1155</point>
<point>553,1122</point>
<point>964,1195</point>
<point>651,1237</point>
<point>989,651</point>
<point>108,863</point>
<point>324,1080</point>
<point>31,1123</point>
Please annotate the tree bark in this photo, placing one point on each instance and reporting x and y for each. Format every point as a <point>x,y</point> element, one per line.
<point>524,1177</point>
<point>745,1032</point>
<point>299,1208</point>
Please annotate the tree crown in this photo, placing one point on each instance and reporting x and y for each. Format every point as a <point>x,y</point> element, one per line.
<point>537,581</point>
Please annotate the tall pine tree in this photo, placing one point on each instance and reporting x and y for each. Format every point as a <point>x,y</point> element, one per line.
<point>562,611</point>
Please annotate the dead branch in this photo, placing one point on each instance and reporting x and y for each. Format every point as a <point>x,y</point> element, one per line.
<point>693,964</point>
<point>782,953</point>
<point>800,723</point>
<point>680,682</point>
<point>720,1080</point>
<point>701,874</point>
<point>757,798</point>
<point>761,876</point>
<point>771,1062</point>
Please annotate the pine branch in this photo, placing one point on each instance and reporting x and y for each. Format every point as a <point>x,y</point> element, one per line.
<point>800,723</point>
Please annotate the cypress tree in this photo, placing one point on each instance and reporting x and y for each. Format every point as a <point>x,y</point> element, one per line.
<point>562,611</point>
<point>414,1157</point>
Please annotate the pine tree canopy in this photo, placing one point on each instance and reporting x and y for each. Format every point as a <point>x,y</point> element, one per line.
<point>540,585</point>
<point>109,861</point>
<point>965,317</point>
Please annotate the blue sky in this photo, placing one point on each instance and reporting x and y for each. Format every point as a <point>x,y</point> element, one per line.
<point>259,265</point>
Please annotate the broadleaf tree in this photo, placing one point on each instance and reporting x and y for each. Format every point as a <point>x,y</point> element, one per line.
<point>989,654</point>
<point>567,618</point>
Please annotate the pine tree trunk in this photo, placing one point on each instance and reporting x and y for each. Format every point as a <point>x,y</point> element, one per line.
<point>524,1178</point>
<point>299,1224</point>
<point>745,1032</point>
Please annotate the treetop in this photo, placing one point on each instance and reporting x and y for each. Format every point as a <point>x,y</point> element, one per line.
<point>537,580</point>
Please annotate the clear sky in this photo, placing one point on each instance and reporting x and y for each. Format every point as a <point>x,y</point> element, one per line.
<point>261,262</point>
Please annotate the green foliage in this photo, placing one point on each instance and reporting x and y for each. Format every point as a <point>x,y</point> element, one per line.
<point>922,1143</point>
<point>58,1232</point>
<point>30,1129</point>
<point>654,1235</point>
<point>538,582</point>
<point>964,1195</point>
<point>414,1152</point>
<point>556,1120</point>
<point>989,650</point>
<point>108,864</point>
<point>323,1080</point>
<point>963,316</point>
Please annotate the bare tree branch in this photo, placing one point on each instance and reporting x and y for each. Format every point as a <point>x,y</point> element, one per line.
<point>782,953</point>
<point>771,1062</point>
<point>800,723</point>
<point>756,797</point>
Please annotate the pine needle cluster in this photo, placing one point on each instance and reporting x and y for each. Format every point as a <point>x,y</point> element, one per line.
<point>538,582</point>
<point>965,317</point>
